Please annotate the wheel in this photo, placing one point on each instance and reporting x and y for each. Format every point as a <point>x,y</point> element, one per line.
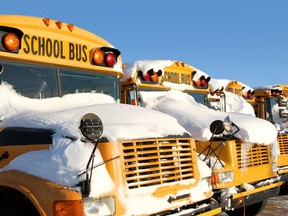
<point>284,188</point>
<point>250,210</point>
<point>9,211</point>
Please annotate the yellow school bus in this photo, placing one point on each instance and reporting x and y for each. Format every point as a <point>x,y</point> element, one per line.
<point>237,170</point>
<point>44,58</point>
<point>270,103</point>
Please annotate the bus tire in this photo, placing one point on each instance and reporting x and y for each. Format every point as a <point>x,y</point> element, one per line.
<point>284,189</point>
<point>250,210</point>
<point>12,211</point>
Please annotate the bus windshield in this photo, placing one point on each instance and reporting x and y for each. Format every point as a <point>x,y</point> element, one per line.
<point>35,81</point>
<point>271,108</point>
<point>200,98</point>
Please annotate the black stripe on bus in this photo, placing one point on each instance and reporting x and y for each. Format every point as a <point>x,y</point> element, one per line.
<point>25,136</point>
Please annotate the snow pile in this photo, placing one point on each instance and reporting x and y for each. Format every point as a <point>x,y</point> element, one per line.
<point>62,162</point>
<point>145,65</point>
<point>197,118</point>
<point>68,156</point>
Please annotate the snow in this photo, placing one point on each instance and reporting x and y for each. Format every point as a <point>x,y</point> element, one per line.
<point>187,111</point>
<point>63,161</point>
<point>68,156</point>
<point>131,68</point>
<point>252,129</point>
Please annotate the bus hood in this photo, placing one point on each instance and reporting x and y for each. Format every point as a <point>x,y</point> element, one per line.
<point>196,118</point>
<point>121,122</point>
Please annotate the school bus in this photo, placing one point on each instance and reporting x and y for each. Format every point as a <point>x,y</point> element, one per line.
<point>44,58</point>
<point>270,103</point>
<point>237,169</point>
<point>241,90</point>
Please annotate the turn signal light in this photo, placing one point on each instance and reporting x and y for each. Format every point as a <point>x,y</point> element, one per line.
<point>202,82</point>
<point>98,57</point>
<point>276,92</point>
<point>249,94</point>
<point>11,42</point>
<point>69,208</point>
<point>150,75</point>
<point>110,59</point>
<point>104,57</point>
<point>215,180</point>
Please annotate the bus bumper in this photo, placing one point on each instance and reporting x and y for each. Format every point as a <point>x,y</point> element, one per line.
<point>205,208</point>
<point>246,198</point>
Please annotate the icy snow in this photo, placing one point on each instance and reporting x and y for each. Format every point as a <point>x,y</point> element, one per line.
<point>68,155</point>
<point>64,160</point>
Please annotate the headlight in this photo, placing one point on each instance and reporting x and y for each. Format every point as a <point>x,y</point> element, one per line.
<point>206,181</point>
<point>100,206</point>
<point>279,125</point>
<point>221,177</point>
<point>274,167</point>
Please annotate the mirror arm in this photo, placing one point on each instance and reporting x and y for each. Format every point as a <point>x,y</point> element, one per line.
<point>87,186</point>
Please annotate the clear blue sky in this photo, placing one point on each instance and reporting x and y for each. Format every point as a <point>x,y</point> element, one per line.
<point>245,40</point>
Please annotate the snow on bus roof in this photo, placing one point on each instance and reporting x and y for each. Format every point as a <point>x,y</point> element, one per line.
<point>144,65</point>
<point>218,84</point>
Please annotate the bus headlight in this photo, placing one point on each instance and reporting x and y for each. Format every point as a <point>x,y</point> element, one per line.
<point>279,125</point>
<point>100,206</point>
<point>222,177</point>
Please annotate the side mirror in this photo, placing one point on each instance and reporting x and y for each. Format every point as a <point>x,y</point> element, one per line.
<point>217,127</point>
<point>228,124</point>
<point>91,127</point>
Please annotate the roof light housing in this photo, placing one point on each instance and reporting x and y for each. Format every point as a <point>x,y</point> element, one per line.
<point>202,82</point>
<point>150,75</point>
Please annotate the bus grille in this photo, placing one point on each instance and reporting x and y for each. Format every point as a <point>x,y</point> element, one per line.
<point>154,162</point>
<point>283,143</point>
<point>255,156</point>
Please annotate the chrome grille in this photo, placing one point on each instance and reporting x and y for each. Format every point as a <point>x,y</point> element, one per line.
<point>157,161</point>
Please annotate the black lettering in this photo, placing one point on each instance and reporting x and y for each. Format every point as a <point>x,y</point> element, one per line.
<point>62,50</point>
<point>71,51</point>
<point>41,46</point>
<point>48,47</point>
<point>185,79</point>
<point>78,52</point>
<point>33,41</point>
<point>27,49</point>
<point>85,57</point>
<point>56,48</point>
<point>165,76</point>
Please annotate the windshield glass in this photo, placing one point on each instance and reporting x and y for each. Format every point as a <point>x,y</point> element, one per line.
<point>30,80</point>
<point>201,98</point>
<point>39,81</point>
<point>271,109</point>
<point>74,81</point>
